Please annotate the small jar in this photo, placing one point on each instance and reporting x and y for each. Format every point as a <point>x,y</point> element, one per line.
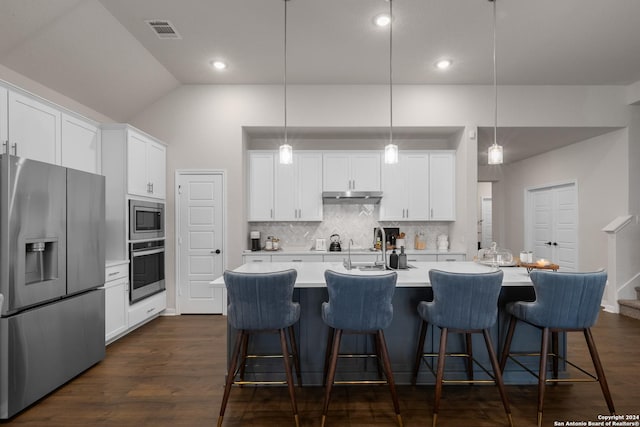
<point>275,244</point>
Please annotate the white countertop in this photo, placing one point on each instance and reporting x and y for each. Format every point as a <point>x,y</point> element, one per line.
<point>311,274</point>
<point>359,251</point>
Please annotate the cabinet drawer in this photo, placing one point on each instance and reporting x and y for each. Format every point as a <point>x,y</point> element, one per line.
<point>147,308</point>
<point>114,272</point>
<point>422,257</point>
<point>354,257</point>
<point>256,258</point>
<point>297,258</point>
<point>451,257</point>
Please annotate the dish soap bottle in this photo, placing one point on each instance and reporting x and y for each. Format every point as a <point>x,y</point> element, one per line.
<point>393,260</point>
<point>402,258</point>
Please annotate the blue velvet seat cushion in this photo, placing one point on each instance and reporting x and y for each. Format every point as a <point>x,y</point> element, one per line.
<point>563,300</point>
<point>359,303</point>
<point>261,301</point>
<point>462,300</point>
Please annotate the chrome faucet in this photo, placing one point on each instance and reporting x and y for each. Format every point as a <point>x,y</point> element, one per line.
<point>347,262</point>
<point>383,244</point>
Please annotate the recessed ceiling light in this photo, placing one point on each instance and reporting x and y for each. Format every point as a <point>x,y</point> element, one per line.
<point>444,64</point>
<point>219,65</point>
<point>382,20</point>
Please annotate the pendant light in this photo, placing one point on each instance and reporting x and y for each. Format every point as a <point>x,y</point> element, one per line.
<point>286,151</point>
<point>495,151</point>
<point>391,149</point>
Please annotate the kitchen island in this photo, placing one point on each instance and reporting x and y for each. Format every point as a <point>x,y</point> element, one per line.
<point>402,335</point>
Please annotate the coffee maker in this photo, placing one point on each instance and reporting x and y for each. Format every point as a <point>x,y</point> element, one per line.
<point>255,241</point>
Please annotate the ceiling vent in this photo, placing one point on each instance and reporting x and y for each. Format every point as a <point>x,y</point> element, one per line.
<point>163,29</point>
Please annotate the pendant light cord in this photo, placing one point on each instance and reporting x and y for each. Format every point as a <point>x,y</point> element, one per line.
<point>390,71</point>
<point>495,79</point>
<point>285,71</point>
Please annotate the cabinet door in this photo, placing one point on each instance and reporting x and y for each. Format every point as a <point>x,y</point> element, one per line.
<point>336,173</point>
<point>309,191</point>
<point>285,203</point>
<point>156,169</point>
<point>4,134</point>
<point>35,128</point>
<point>137,165</point>
<point>116,298</point>
<point>261,186</point>
<point>442,186</point>
<point>417,186</point>
<point>80,144</point>
<point>394,204</point>
<point>365,171</point>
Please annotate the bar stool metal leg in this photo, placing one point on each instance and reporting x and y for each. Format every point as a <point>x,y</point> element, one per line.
<point>444,332</point>
<point>294,352</point>
<point>542,376</point>
<point>230,375</point>
<point>287,368</point>
<point>337,335</point>
<point>599,371</point>
<point>498,375</point>
<point>382,346</point>
<point>419,352</point>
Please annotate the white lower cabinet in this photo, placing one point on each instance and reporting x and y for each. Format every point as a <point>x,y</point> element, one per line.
<point>422,258</point>
<point>452,257</point>
<point>147,309</point>
<point>116,297</point>
<point>256,258</point>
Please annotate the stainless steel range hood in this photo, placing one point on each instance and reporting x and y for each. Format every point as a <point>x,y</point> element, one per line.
<point>345,197</point>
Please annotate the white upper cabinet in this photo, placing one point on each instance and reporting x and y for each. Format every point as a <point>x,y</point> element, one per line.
<point>355,171</point>
<point>261,185</point>
<point>420,187</point>
<point>81,144</point>
<point>405,189</point>
<point>33,129</point>
<point>298,188</point>
<point>442,186</point>
<point>146,166</point>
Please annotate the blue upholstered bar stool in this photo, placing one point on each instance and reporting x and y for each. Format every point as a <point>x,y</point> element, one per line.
<point>462,303</point>
<point>565,302</point>
<point>358,304</point>
<point>261,303</point>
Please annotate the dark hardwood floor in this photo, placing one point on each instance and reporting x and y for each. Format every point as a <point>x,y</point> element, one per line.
<point>170,372</point>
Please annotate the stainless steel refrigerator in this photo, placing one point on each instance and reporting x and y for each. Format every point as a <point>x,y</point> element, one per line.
<point>51,266</point>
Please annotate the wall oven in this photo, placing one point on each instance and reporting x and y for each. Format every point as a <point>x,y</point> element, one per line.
<point>147,269</point>
<point>146,220</point>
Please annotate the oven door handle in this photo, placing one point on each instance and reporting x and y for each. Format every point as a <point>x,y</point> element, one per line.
<point>147,252</point>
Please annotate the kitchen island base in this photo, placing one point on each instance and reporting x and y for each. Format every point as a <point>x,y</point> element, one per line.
<point>402,341</point>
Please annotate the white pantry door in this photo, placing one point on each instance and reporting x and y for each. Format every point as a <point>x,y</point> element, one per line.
<point>554,227</point>
<point>200,240</point>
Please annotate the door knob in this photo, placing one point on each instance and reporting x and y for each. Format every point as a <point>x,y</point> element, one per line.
<point>217,251</point>
<point>555,243</point>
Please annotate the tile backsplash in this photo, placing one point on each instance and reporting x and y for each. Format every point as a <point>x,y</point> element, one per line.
<point>350,221</point>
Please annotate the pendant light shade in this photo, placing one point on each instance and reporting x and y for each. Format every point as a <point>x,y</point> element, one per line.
<point>391,149</point>
<point>495,154</point>
<point>391,154</point>
<point>286,151</point>
<point>286,154</point>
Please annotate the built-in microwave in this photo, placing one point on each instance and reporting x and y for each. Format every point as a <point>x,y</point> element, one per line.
<point>146,220</point>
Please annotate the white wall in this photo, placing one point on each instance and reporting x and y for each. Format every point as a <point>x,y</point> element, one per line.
<point>600,168</point>
<point>35,88</point>
<point>203,127</point>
